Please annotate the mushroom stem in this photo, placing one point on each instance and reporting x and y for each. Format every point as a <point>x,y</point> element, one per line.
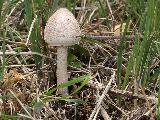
<point>62,76</point>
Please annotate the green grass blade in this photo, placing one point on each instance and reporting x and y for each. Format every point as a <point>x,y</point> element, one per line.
<point>158,105</point>
<point>69,83</point>
<point>80,87</point>
<point>120,52</point>
<point>1,5</point>
<point>35,33</point>
<point>4,56</point>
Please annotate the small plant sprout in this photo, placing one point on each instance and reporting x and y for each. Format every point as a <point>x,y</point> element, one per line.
<point>62,30</point>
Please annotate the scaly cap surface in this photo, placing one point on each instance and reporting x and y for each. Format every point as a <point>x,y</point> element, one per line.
<point>62,29</point>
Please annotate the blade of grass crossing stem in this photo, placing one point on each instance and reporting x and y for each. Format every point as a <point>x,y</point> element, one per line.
<point>35,33</point>
<point>120,51</point>
<point>69,83</point>
<point>74,81</point>
<point>78,101</point>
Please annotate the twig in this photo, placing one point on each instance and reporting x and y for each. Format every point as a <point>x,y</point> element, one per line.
<point>132,95</point>
<point>147,102</point>
<point>11,66</point>
<point>50,110</point>
<point>91,54</point>
<point>102,97</point>
<point>103,37</point>
<point>24,116</point>
<point>110,101</point>
<point>31,73</point>
<point>149,111</point>
<point>104,49</point>
<point>80,69</point>
<point>123,93</point>
<point>30,30</point>
<point>12,42</point>
<point>18,61</point>
<point>13,9</point>
<point>22,105</point>
<point>83,8</point>
<point>23,53</point>
<point>105,114</point>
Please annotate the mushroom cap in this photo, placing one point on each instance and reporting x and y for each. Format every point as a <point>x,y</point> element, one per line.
<point>62,29</point>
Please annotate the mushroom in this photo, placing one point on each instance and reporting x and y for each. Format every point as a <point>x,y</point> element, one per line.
<point>62,30</point>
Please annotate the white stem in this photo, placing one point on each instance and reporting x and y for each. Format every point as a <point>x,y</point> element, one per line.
<point>62,76</point>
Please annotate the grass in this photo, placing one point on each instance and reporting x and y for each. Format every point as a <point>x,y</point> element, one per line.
<point>28,82</point>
